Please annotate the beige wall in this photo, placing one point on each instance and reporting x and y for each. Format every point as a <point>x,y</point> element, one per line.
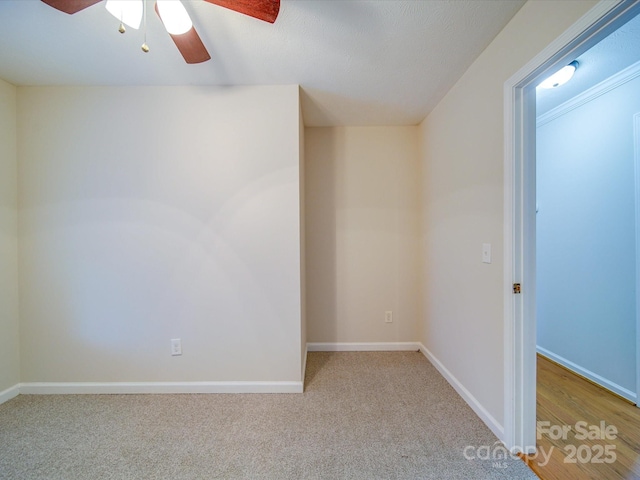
<point>156,213</point>
<point>9,329</point>
<point>462,156</point>
<point>303,250</point>
<point>362,209</point>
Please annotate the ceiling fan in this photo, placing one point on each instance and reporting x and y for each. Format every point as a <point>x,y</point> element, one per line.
<point>174,17</point>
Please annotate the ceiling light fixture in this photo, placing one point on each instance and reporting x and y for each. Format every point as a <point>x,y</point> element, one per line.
<point>174,16</point>
<point>561,77</point>
<point>128,12</point>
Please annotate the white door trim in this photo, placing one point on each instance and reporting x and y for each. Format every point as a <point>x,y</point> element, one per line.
<point>636,153</point>
<point>519,213</point>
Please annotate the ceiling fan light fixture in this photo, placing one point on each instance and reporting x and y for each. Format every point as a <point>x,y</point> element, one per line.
<point>128,12</point>
<point>174,16</point>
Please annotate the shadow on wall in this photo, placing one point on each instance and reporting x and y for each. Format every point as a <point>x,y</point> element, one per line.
<point>321,237</point>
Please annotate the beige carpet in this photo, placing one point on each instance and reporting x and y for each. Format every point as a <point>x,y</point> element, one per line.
<point>363,415</point>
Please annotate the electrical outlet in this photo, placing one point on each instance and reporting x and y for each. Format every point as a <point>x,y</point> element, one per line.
<point>176,346</point>
<point>388,316</point>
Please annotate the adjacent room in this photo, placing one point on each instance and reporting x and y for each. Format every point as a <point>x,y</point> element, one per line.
<point>259,238</point>
<point>587,191</point>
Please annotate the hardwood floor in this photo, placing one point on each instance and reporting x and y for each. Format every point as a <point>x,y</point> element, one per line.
<point>601,437</point>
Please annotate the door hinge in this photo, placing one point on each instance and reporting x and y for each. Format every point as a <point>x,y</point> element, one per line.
<point>516,288</point>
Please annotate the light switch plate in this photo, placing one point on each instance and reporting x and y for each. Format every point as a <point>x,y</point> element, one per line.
<point>486,253</point>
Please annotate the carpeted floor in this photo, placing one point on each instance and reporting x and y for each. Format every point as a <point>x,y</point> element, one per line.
<point>364,415</point>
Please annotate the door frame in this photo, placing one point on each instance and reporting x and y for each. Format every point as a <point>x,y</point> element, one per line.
<point>636,155</point>
<point>519,213</point>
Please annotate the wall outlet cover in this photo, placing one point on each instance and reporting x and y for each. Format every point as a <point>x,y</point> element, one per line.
<point>176,346</point>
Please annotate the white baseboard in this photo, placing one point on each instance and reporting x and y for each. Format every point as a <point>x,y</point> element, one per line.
<point>9,393</point>
<point>364,347</point>
<point>594,377</point>
<point>475,405</point>
<point>159,387</point>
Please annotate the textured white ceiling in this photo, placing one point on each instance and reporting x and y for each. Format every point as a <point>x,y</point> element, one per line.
<point>359,62</point>
<point>612,54</point>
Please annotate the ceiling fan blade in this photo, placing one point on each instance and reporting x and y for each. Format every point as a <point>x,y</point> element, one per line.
<point>189,44</point>
<point>266,10</point>
<point>70,6</point>
<point>191,47</point>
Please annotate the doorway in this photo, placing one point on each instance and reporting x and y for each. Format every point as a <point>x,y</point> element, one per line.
<point>585,214</point>
<point>520,214</point>
<point>586,260</point>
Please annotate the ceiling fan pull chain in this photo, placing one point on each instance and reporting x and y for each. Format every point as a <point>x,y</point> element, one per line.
<point>145,47</point>
<point>121,29</point>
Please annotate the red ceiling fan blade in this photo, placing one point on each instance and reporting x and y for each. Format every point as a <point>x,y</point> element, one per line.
<point>266,10</point>
<point>70,6</point>
<point>189,44</point>
<point>191,47</point>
